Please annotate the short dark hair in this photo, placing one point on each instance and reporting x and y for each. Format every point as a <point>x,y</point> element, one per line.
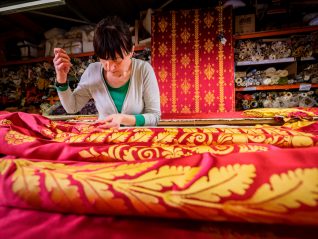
<point>112,36</point>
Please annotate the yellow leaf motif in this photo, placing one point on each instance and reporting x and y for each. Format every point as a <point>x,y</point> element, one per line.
<point>221,182</point>
<point>165,176</point>
<point>287,190</point>
<point>96,184</point>
<point>4,165</point>
<point>218,149</point>
<point>77,138</point>
<point>91,153</point>
<point>122,170</point>
<point>5,122</point>
<point>16,138</point>
<point>26,182</point>
<point>141,136</point>
<point>251,148</point>
<point>116,152</point>
<point>96,138</point>
<point>61,191</point>
<point>144,190</point>
<point>98,194</point>
<point>172,151</point>
<point>165,137</point>
<point>225,138</point>
<point>118,137</point>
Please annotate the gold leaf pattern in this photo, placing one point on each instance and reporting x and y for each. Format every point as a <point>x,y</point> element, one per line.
<point>77,138</point>
<point>162,24</point>
<point>16,138</point>
<point>165,186</point>
<point>163,49</point>
<point>96,137</point>
<point>5,122</point>
<point>185,35</point>
<point>143,153</point>
<point>222,182</point>
<point>165,137</point>
<point>92,154</point>
<point>163,74</point>
<point>26,182</point>
<point>118,137</point>
<point>185,86</point>
<point>166,176</point>
<point>141,136</point>
<point>208,20</point>
<point>163,99</point>
<point>251,148</point>
<point>115,152</point>
<point>287,190</point>
<point>142,190</point>
<point>61,191</point>
<point>208,45</point>
<point>185,61</point>
<point>185,109</point>
<point>209,98</point>
<point>4,166</point>
<point>209,72</point>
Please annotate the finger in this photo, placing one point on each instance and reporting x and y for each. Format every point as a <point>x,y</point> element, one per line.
<point>61,55</point>
<point>112,125</point>
<point>59,50</point>
<point>105,125</point>
<point>109,118</point>
<point>61,61</point>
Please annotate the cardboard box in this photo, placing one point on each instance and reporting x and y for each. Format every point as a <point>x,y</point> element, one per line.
<point>245,23</point>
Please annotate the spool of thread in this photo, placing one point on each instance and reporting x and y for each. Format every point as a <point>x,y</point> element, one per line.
<point>282,73</point>
<point>253,104</point>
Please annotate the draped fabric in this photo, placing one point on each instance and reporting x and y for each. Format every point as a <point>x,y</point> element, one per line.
<point>265,174</point>
<point>195,71</point>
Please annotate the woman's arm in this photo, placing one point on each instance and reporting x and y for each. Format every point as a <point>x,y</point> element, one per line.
<point>151,96</point>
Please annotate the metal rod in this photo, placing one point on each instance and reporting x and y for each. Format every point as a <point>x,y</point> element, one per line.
<point>60,17</point>
<point>165,4</point>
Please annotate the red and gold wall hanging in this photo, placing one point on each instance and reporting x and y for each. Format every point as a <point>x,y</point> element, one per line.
<point>194,69</point>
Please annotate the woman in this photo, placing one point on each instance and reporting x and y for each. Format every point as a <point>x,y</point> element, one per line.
<point>125,90</point>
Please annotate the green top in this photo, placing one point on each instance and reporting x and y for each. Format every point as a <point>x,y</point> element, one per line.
<point>118,95</point>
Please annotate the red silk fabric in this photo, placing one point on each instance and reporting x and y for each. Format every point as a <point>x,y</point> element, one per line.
<point>252,174</point>
<point>195,71</point>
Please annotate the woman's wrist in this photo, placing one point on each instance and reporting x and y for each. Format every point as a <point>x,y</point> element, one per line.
<point>128,120</point>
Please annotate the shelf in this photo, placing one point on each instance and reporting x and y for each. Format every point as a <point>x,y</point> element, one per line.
<point>42,59</point>
<point>263,62</point>
<point>301,87</point>
<point>50,58</point>
<point>278,32</point>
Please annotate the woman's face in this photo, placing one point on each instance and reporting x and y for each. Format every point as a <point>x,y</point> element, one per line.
<point>118,65</point>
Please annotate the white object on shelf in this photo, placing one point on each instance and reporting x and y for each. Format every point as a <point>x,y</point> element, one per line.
<point>263,62</point>
<point>88,46</point>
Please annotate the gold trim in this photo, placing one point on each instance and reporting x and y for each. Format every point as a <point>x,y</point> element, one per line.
<point>196,61</point>
<point>174,62</point>
<point>221,62</point>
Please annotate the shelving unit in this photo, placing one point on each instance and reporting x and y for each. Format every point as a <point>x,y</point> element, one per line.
<point>280,32</point>
<point>265,62</point>
<point>299,86</point>
<point>292,64</point>
<point>50,58</point>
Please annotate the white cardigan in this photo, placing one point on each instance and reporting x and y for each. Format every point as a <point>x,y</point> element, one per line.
<point>142,97</point>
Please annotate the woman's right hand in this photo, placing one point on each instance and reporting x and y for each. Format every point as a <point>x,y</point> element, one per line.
<point>62,64</point>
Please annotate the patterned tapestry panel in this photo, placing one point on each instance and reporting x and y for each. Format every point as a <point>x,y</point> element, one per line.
<point>194,69</point>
